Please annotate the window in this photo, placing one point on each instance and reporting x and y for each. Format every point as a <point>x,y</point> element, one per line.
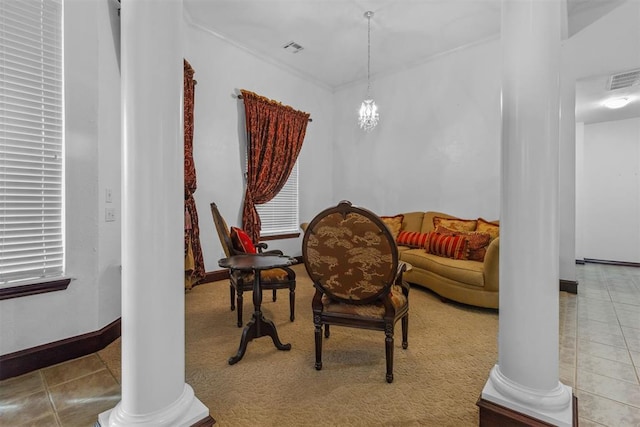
<point>280,214</point>
<point>31,141</point>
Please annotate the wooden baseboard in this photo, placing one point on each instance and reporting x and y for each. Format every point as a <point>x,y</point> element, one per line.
<point>214,276</point>
<point>604,261</point>
<point>570,286</point>
<point>205,422</point>
<point>492,414</point>
<point>30,359</point>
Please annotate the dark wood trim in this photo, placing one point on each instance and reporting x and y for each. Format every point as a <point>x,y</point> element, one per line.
<point>34,288</point>
<point>570,286</point>
<point>280,236</point>
<point>620,263</point>
<point>214,276</point>
<point>208,421</point>
<point>492,414</point>
<point>30,359</point>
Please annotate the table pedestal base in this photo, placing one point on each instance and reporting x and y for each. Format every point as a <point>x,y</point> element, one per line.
<point>258,327</point>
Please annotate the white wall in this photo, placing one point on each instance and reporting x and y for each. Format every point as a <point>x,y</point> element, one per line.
<point>92,93</point>
<point>221,69</point>
<point>109,160</point>
<point>611,191</point>
<point>579,191</point>
<point>437,146</point>
<point>589,53</point>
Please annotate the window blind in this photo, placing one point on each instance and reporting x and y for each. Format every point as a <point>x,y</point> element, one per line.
<point>31,140</point>
<point>280,214</point>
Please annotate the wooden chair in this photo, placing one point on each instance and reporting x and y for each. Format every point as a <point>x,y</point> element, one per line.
<point>352,259</point>
<point>239,282</point>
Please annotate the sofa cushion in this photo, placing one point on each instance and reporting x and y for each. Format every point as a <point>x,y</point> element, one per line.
<point>463,271</point>
<point>456,224</point>
<point>427,220</point>
<point>412,221</point>
<point>477,242</point>
<point>449,246</point>
<point>412,239</point>
<point>403,248</point>
<point>393,223</point>
<point>491,227</point>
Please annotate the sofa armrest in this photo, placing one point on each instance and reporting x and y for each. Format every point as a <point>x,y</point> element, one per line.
<point>492,266</point>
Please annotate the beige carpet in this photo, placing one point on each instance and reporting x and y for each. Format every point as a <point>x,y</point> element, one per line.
<point>437,380</point>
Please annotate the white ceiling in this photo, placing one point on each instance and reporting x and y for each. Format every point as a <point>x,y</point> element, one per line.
<point>591,92</point>
<point>333,34</point>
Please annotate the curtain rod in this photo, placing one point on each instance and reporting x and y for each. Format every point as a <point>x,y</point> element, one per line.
<point>240,97</point>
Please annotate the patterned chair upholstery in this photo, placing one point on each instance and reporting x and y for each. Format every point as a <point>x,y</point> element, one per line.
<point>352,259</point>
<point>239,281</point>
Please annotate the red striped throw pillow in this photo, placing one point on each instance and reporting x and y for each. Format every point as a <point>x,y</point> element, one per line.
<point>477,242</point>
<point>446,246</point>
<point>412,239</point>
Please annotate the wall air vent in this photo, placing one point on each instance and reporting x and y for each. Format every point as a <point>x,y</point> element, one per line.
<point>622,80</point>
<point>292,47</point>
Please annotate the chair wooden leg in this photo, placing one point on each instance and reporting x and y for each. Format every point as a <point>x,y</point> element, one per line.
<point>318,335</point>
<point>232,294</point>
<point>292,303</point>
<point>240,304</point>
<point>388,344</point>
<point>274,295</point>
<point>405,331</point>
<point>326,331</point>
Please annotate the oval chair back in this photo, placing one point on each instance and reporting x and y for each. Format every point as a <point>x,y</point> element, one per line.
<point>350,254</point>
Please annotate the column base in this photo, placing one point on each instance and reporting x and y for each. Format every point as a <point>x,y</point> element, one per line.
<point>548,407</point>
<point>491,414</point>
<point>187,411</point>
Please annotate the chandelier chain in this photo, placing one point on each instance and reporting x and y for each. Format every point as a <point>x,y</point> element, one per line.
<point>368,53</point>
<point>368,115</point>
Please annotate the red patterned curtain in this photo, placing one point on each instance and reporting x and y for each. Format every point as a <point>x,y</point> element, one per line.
<point>194,262</point>
<point>274,138</point>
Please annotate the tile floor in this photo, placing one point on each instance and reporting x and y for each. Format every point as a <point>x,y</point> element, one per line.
<point>608,347</point>
<point>599,358</point>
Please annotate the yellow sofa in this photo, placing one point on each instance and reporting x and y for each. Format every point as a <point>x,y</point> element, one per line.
<point>464,281</point>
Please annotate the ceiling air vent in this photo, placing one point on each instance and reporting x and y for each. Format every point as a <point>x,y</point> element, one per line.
<point>292,47</point>
<point>622,80</point>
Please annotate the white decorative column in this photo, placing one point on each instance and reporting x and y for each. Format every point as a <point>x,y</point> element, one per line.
<point>525,380</point>
<point>154,392</point>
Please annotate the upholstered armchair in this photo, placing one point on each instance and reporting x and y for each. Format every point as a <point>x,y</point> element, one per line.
<point>352,259</point>
<point>239,281</point>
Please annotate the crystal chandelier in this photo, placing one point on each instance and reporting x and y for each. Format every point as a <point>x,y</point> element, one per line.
<point>368,118</point>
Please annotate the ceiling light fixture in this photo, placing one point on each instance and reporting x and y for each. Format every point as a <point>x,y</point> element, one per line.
<point>617,102</point>
<point>368,117</point>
